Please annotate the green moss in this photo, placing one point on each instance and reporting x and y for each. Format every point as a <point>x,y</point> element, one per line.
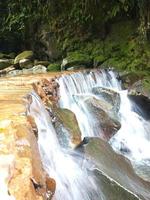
<point>23,55</point>
<point>68,119</point>
<point>4,63</point>
<point>98,60</point>
<point>78,58</point>
<point>53,67</point>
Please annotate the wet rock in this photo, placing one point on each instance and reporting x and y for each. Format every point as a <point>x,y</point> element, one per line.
<point>142,103</point>
<point>23,55</point>
<point>69,122</point>
<point>101,110</point>
<point>47,90</point>
<point>115,173</point>
<point>50,187</point>
<point>108,95</point>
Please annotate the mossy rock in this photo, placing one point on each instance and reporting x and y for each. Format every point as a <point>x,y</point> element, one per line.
<point>76,58</point>
<point>4,63</point>
<point>117,178</point>
<point>23,55</point>
<point>68,119</point>
<point>53,67</point>
<point>128,78</point>
<point>25,63</point>
<point>7,56</point>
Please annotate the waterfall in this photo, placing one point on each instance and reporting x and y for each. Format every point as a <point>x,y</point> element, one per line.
<point>73,180</point>
<point>74,85</point>
<point>71,171</point>
<point>134,132</point>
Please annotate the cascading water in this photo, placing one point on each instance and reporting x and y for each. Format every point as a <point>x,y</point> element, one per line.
<point>73,180</point>
<point>75,85</point>
<point>134,129</point>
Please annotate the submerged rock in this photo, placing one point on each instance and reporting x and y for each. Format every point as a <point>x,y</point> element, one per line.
<point>115,173</point>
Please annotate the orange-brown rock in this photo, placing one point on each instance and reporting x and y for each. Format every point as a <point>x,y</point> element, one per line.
<point>19,155</point>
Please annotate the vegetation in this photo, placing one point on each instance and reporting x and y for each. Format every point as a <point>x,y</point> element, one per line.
<point>95,28</point>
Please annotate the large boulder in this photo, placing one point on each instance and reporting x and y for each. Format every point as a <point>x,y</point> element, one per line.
<point>108,95</point>
<point>25,63</point>
<point>139,94</point>
<point>76,59</point>
<point>43,62</point>
<point>129,78</point>
<point>106,121</point>
<point>142,103</point>
<point>23,55</point>
<point>39,69</point>
<point>4,63</point>
<point>115,173</point>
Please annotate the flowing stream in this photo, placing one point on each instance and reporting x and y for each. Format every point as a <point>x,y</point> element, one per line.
<point>74,180</point>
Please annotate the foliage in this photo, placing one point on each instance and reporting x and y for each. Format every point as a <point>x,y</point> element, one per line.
<point>21,19</point>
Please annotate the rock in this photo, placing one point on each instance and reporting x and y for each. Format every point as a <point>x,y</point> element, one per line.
<point>142,103</point>
<point>141,87</point>
<point>129,78</point>
<point>50,186</point>
<point>25,63</point>
<point>44,63</point>
<point>38,69</point>
<point>15,72</point>
<point>106,122</point>
<point>76,59</point>
<point>53,67</point>
<point>69,121</point>
<point>47,90</point>
<point>6,70</point>
<point>98,60</point>
<point>23,55</point>
<point>115,173</point>
<point>108,95</point>
<point>4,63</point>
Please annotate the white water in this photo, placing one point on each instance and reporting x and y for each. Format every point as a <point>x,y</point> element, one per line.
<point>134,129</point>
<point>72,86</point>
<point>72,179</point>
